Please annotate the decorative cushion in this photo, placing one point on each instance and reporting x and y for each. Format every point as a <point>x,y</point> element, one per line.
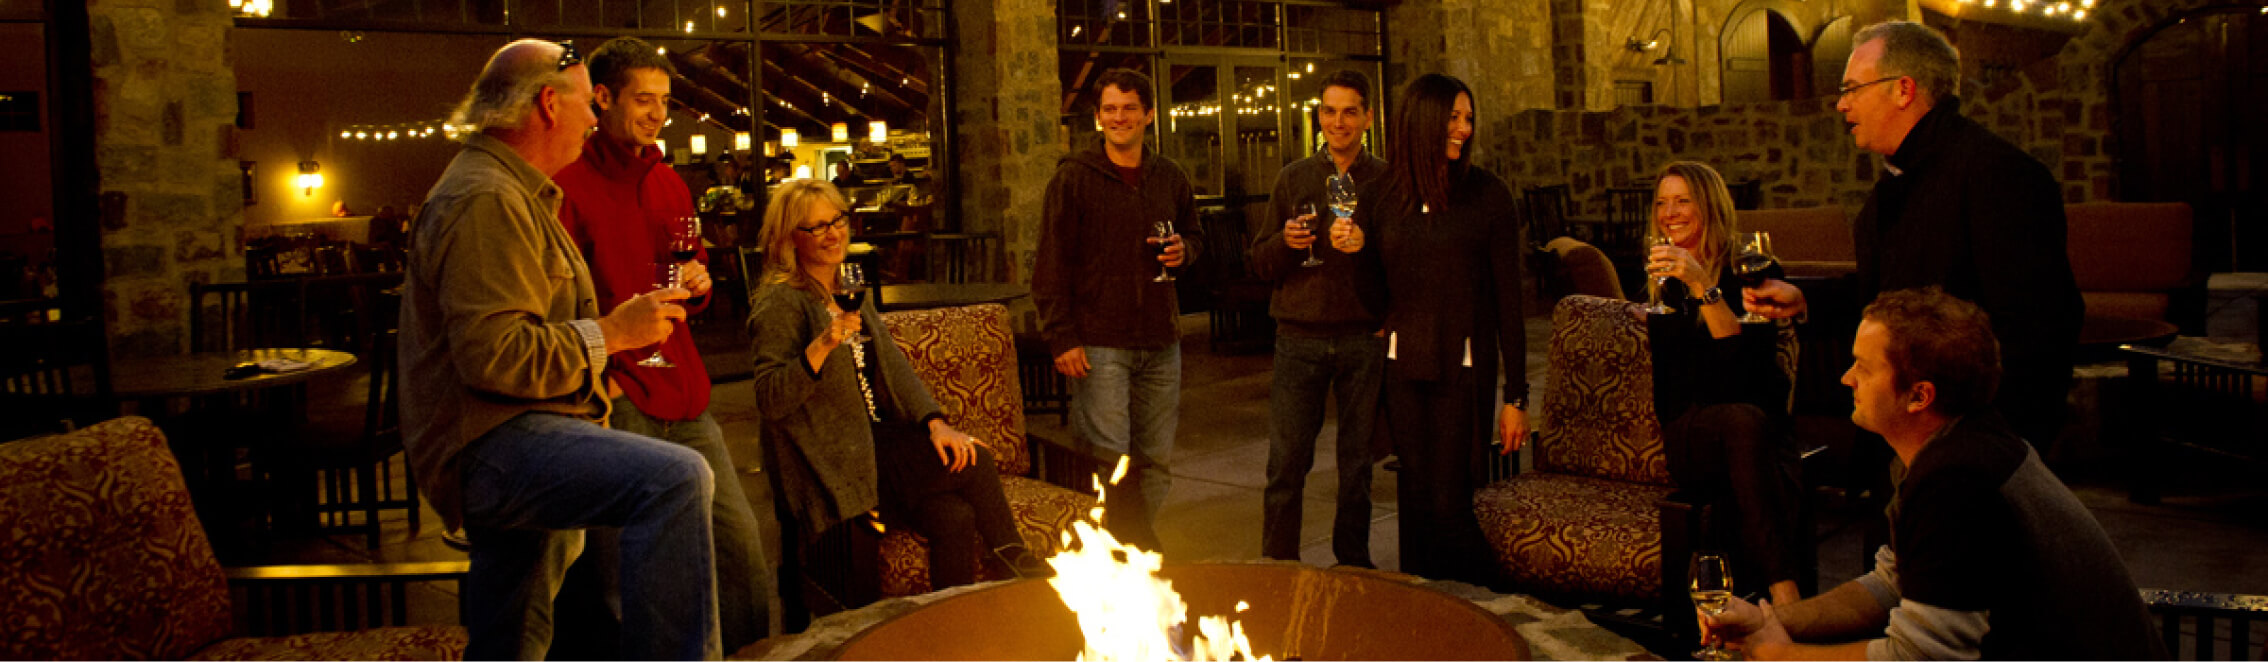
<point>404,643</point>
<point>1599,409</point>
<point>101,553</point>
<point>967,357</point>
<point>1575,535</point>
<point>1042,512</point>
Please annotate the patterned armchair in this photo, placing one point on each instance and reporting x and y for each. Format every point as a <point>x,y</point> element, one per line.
<point>102,557</point>
<point>967,357</point>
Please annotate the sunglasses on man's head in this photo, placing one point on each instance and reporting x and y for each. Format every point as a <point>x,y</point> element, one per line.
<point>568,56</point>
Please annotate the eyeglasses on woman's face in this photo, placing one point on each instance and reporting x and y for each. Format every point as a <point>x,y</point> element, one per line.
<point>821,230</point>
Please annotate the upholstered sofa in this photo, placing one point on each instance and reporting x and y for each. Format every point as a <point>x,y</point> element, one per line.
<point>102,557</point>
<point>2132,259</point>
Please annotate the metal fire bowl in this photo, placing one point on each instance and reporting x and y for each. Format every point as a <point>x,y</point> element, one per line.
<point>1297,612</point>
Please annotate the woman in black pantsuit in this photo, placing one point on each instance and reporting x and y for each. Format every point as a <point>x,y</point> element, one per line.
<point>1446,274</point>
<point>1718,387</point>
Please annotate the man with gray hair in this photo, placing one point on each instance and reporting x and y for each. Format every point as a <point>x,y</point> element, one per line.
<point>1960,208</point>
<point>502,348</point>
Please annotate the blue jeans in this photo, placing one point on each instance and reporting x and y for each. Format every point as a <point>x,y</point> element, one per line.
<point>745,596</point>
<point>1306,371</point>
<point>533,483</point>
<point>1129,404</point>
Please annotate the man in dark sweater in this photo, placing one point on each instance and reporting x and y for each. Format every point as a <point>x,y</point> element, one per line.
<point>1990,556</point>
<point>1112,224</point>
<point>1961,209</point>
<point>621,204</point>
<point>1326,339</point>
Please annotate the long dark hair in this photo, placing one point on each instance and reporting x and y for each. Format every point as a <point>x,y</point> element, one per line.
<point>1417,152</point>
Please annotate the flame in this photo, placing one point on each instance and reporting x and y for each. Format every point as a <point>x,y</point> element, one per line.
<point>1127,612</point>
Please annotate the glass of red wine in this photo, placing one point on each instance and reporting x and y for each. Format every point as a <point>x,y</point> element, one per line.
<point>850,291</point>
<point>1162,231</point>
<point>1307,223</point>
<point>685,239</point>
<point>665,277</point>
<point>1754,262</point>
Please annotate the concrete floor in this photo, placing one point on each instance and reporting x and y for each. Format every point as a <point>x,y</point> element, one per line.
<point>2206,536</point>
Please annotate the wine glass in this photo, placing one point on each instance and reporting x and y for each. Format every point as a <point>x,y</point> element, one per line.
<point>1654,305</point>
<point>1754,262</point>
<point>1309,226</point>
<point>665,277</point>
<point>1340,192</point>
<point>685,238</point>
<point>1712,590</point>
<point>850,290</point>
<point>1161,230</point>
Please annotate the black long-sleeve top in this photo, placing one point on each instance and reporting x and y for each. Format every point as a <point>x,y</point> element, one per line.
<point>1314,301</point>
<point>1447,280</point>
<point>1693,368</point>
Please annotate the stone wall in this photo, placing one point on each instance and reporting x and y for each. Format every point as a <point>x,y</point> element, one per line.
<point>172,196</point>
<point>1005,95</point>
<point>2057,109</point>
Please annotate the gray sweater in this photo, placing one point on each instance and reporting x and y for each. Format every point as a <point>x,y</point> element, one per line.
<point>816,432</point>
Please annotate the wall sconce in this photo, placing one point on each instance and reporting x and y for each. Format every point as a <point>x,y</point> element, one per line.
<point>1669,50</point>
<point>699,143</point>
<point>740,140</point>
<point>878,131</point>
<point>841,132</point>
<point>310,177</point>
<point>788,138</point>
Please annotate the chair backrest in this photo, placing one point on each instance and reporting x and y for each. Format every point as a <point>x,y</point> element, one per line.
<point>967,357</point>
<point>1748,194</point>
<point>54,377</point>
<point>1581,269</point>
<point>1632,209</point>
<point>1547,212</point>
<point>2129,246</point>
<point>1599,404</point>
<point>1807,234</point>
<point>382,408</point>
<point>264,313</point>
<point>2210,614</point>
<point>1226,227</point>
<point>103,556</point>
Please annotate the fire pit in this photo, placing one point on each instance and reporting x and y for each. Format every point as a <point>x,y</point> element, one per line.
<point>1297,612</point>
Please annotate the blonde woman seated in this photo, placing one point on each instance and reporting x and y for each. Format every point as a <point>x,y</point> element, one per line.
<point>1718,387</point>
<point>849,424</point>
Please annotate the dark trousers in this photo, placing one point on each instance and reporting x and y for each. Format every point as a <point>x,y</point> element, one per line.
<point>963,514</point>
<point>1308,370</point>
<point>1733,456</point>
<point>1437,434</point>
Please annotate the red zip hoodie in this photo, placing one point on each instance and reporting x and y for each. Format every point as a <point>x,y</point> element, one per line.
<point>620,201</point>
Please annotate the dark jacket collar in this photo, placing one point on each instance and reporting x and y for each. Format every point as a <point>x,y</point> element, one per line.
<point>1094,157</point>
<point>619,160</point>
<point>1929,136</point>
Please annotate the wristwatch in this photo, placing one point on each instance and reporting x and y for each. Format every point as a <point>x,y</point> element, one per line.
<point>1709,296</point>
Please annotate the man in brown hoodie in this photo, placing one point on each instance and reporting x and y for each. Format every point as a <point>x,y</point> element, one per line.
<point>1109,236</point>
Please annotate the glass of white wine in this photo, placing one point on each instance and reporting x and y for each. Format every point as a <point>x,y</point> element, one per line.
<point>1654,304</point>
<point>1712,590</point>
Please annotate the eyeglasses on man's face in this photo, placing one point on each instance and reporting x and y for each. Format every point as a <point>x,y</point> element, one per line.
<point>568,56</point>
<point>821,230</point>
<point>1847,89</point>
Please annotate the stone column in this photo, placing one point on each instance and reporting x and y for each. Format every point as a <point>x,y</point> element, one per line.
<point>172,195</point>
<point>1500,48</point>
<point>1006,93</point>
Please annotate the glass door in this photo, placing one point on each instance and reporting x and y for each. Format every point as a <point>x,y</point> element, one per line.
<point>1223,118</point>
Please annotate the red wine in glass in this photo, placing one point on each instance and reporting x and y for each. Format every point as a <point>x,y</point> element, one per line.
<point>685,238</point>
<point>850,291</point>
<point>1754,261</point>
<point>1161,231</point>
<point>1751,269</point>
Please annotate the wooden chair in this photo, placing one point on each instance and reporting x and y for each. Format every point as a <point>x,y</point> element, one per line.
<point>1546,210</point>
<point>2197,619</point>
<point>1239,305</point>
<point>54,377</point>
<point>112,563</point>
<point>351,458</point>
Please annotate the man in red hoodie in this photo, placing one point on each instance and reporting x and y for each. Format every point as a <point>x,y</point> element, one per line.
<point>622,202</point>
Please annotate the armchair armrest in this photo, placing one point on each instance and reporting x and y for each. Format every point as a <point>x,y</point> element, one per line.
<point>292,599</point>
<point>1068,465</point>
